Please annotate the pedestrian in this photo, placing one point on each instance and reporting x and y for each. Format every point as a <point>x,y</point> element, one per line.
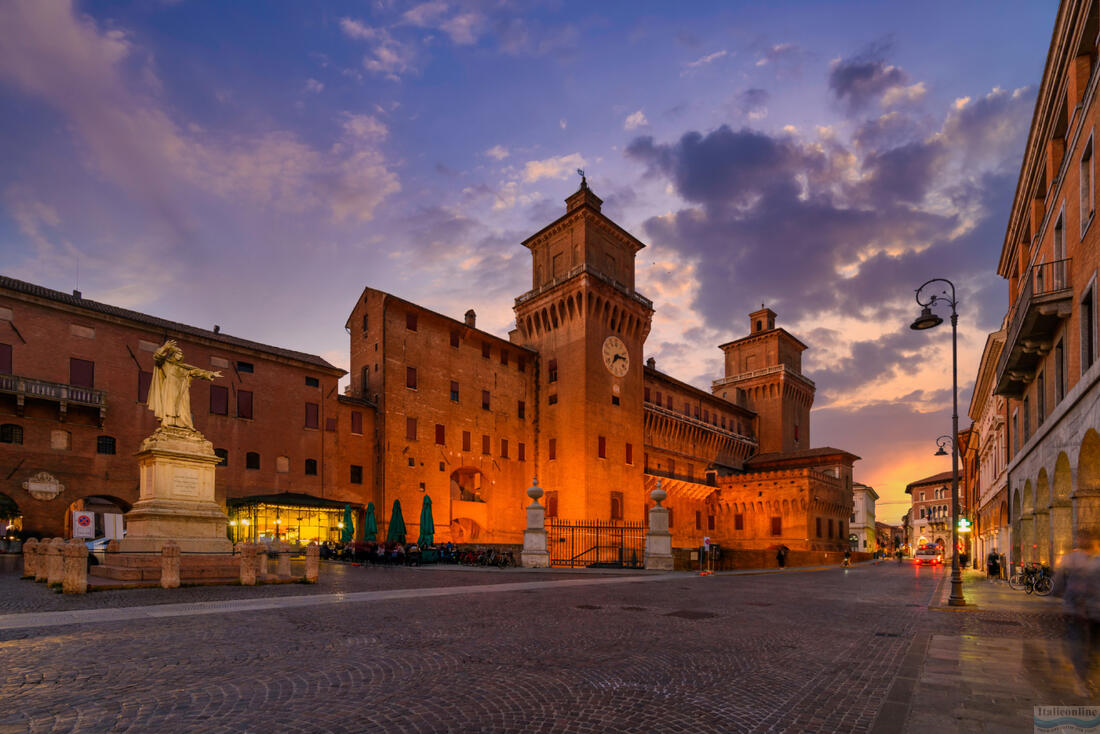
<point>1077,581</point>
<point>781,556</point>
<point>847,556</point>
<point>993,565</point>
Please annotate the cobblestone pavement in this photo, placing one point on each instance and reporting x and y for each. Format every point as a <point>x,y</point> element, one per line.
<point>834,650</point>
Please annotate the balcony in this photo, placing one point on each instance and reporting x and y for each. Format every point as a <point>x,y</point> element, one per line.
<point>1045,300</point>
<point>64,395</point>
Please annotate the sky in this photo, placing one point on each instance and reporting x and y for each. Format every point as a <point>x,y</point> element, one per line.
<point>256,164</point>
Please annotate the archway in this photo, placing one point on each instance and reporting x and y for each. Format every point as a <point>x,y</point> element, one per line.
<point>104,507</point>
<point>11,521</point>
<point>1061,509</point>
<point>1086,496</point>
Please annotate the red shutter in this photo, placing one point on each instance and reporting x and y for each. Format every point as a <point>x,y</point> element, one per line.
<point>219,399</point>
<point>5,359</point>
<point>777,526</point>
<point>602,447</point>
<point>465,440</point>
<point>521,450</point>
<point>410,377</point>
<point>440,434</point>
<point>312,415</point>
<point>504,448</point>
<point>356,422</point>
<point>145,379</point>
<point>81,372</point>
<point>484,444</point>
<point>244,404</point>
<point>552,450</point>
<point>330,424</point>
<point>410,429</point>
<point>629,454</point>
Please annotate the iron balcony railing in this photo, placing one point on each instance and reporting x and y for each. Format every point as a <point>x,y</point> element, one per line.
<point>26,386</point>
<point>1042,280</point>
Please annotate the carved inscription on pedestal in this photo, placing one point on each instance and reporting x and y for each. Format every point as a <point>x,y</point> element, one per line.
<point>185,482</point>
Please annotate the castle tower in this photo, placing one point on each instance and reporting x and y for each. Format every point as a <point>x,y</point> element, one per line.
<point>588,324</point>
<point>764,372</point>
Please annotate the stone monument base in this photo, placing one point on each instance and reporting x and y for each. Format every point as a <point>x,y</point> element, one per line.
<point>176,499</point>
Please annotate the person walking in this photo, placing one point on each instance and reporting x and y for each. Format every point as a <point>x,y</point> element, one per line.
<point>781,556</point>
<point>993,565</point>
<point>847,556</point>
<point>1077,581</point>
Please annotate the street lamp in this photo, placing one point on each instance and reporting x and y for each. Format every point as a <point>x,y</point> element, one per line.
<point>941,442</point>
<point>928,320</point>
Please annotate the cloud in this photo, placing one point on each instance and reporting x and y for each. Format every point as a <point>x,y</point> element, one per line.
<point>314,87</point>
<point>866,78</point>
<point>635,120</point>
<point>130,139</point>
<point>785,58</point>
<point>463,28</point>
<point>388,56</point>
<point>752,103</point>
<point>497,152</point>
<point>692,66</point>
<point>560,167</point>
<point>562,123</point>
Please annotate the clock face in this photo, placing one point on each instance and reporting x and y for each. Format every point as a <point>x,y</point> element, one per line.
<point>615,356</point>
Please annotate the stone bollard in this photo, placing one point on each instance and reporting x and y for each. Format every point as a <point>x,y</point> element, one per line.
<point>313,562</point>
<point>41,562</point>
<point>535,553</point>
<point>248,563</point>
<point>261,562</point>
<point>282,563</point>
<point>55,563</point>
<point>30,558</point>
<point>658,540</point>
<point>170,565</point>
<point>75,560</point>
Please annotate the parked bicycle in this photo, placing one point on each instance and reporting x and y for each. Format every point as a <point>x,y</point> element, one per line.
<point>1033,578</point>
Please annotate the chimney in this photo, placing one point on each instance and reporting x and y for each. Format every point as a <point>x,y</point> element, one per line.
<point>471,318</point>
<point>217,329</point>
<point>76,294</point>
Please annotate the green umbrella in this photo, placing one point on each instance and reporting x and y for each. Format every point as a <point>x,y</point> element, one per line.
<point>370,524</point>
<point>348,532</point>
<point>396,532</point>
<point>427,524</point>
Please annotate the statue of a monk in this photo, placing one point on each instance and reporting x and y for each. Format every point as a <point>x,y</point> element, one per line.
<point>170,389</point>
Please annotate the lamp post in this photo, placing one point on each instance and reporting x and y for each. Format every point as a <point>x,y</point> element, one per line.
<point>928,320</point>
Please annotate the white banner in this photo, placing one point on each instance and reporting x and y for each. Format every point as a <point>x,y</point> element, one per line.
<point>83,524</point>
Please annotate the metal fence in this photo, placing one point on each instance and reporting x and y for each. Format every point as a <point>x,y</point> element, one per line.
<point>595,544</point>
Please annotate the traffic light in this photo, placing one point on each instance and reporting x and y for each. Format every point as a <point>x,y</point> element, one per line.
<point>964,525</point>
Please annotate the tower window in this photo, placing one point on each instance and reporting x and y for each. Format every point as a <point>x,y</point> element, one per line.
<point>601,447</point>
<point>454,391</point>
<point>466,440</point>
<point>521,410</point>
<point>485,444</point>
<point>105,445</point>
<point>245,367</point>
<point>454,339</point>
<point>552,449</point>
<point>440,434</point>
<point>410,320</point>
<point>410,378</point>
<point>552,371</point>
<point>485,400</point>
<point>356,474</point>
<point>252,460</point>
<point>11,433</point>
<point>311,467</point>
<point>410,429</point>
<point>485,350</point>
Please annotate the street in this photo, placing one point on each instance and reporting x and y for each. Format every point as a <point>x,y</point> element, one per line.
<point>454,649</point>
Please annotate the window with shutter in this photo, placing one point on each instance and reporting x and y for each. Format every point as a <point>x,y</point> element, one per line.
<point>313,412</point>
<point>244,404</point>
<point>356,422</point>
<point>5,359</point>
<point>219,400</point>
<point>145,379</point>
<point>81,372</point>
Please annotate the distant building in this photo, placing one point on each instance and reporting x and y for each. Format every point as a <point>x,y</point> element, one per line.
<point>862,533</point>
<point>930,514</point>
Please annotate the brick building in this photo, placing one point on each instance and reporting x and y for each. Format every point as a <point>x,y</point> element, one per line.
<point>1047,369</point>
<point>930,514</point>
<point>74,375</point>
<point>439,408</point>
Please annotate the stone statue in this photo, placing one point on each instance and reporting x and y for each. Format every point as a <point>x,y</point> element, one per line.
<point>170,390</point>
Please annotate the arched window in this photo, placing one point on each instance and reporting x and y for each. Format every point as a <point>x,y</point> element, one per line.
<point>251,460</point>
<point>105,445</point>
<point>11,433</point>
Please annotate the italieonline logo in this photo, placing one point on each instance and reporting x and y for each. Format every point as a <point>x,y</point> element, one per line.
<point>1067,719</point>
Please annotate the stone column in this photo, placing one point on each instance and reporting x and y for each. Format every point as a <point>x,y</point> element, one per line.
<point>170,565</point>
<point>282,560</point>
<point>261,562</point>
<point>1086,511</point>
<point>1027,539</point>
<point>535,553</point>
<point>658,540</point>
<point>313,562</point>
<point>1042,536</point>
<point>75,567</point>
<point>248,563</point>
<point>1061,529</point>
<point>55,563</point>
<point>30,558</point>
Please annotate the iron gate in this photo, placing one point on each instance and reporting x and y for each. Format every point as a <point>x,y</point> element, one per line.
<point>584,544</point>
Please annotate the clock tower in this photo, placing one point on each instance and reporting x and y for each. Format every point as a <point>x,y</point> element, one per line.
<point>589,325</point>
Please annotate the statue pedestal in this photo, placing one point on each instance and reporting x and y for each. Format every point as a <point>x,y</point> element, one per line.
<point>176,501</point>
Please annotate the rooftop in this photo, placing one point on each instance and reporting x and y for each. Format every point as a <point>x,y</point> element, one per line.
<point>943,476</point>
<point>75,300</point>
